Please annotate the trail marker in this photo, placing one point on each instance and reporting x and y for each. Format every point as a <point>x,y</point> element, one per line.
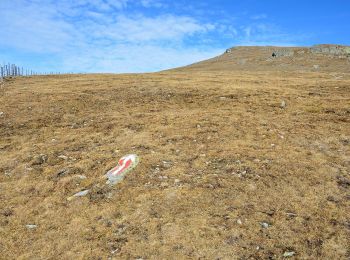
<point>125,165</point>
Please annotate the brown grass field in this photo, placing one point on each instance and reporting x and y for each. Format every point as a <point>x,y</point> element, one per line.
<point>226,172</point>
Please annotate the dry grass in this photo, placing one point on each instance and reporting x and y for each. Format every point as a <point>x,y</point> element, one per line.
<point>219,157</point>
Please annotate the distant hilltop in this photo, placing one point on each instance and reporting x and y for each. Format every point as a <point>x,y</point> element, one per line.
<point>331,49</point>
<point>321,57</point>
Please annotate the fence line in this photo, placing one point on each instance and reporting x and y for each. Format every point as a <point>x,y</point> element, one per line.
<point>12,70</point>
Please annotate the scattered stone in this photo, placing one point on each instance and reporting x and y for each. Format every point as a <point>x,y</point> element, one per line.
<point>291,215</point>
<point>167,164</point>
<point>177,181</point>
<point>283,104</point>
<point>1,113</point>
<point>288,254</point>
<point>265,225</point>
<point>79,194</point>
<point>82,177</point>
<point>62,172</point>
<point>316,67</point>
<point>63,157</point>
<point>31,226</point>
<point>239,222</point>
<point>115,251</point>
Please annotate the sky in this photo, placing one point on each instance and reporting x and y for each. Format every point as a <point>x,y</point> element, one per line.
<point>122,36</point>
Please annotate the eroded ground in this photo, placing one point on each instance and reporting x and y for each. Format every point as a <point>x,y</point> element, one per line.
<point>227,171</point>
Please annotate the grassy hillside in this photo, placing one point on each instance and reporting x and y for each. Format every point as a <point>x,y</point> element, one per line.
<point>318,58</point>
<point>234,165</point>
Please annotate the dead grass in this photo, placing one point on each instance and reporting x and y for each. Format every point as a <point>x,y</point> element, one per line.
<point>219,157</point>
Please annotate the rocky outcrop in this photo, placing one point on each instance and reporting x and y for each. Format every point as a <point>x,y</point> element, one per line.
<point>283,53</point>
<point>338,50</point>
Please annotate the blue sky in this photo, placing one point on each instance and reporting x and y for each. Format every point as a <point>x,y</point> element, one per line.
<point>151,35</point>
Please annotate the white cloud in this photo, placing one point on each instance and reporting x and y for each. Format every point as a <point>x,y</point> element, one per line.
<point>152,3</point>
<point>93,39</point>
<point>264,34</point>
<point>163,27</point>
<point>259,17</point>
<point>104,36</point>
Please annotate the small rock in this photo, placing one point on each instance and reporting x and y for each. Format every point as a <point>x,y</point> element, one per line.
<point>239,222</point>
<point>79,194</point>
<point>30,226</point>
<point>63,157</point>
<point>62,172</point>
<point>167,164</point>
<point>177,181</point>
<point>283,104</point>
<point>264,224</point>
<point>291,215</point>
<point>81,177</point>
<point>1,113</point>
<point>288,254</point>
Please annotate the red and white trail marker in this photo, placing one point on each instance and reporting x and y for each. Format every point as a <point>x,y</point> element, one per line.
<point>125,165</point>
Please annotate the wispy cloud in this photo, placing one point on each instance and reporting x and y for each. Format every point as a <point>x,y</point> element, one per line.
<point>259,16</point>
<point>116,36</point>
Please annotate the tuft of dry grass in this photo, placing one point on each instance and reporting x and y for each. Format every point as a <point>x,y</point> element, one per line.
<point>225,172</point>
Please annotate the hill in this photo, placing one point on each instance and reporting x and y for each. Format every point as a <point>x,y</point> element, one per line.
<point>323,57</point>
<point>235,164</point>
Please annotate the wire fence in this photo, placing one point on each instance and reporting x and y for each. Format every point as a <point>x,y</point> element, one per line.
<point>12,70</point>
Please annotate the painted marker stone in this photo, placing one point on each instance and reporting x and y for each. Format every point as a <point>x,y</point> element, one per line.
<point>125,165</point>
